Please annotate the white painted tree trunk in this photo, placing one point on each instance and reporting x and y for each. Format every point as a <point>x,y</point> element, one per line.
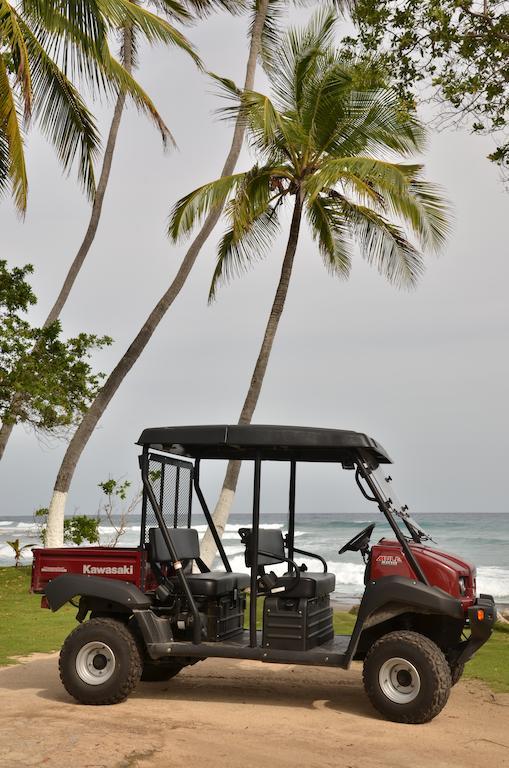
<point>221,514</point>
<point>55,527</point>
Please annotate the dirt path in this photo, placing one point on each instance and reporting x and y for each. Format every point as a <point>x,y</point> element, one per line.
<point>227,714</point>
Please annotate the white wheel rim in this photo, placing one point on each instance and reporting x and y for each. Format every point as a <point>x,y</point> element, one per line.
<point>95,663</point>
<point>399,680</point>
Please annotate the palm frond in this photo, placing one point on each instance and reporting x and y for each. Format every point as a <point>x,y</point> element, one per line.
<point>75,34</point>
<point>202,8</point>
<point>12,37</point>
<point>4,162</point>
<point>435,213</point>
<point>265,124</point>
<point>330,230</point>
<point>241,246</point>
<point>125,82</point>
<point>295,57</point>
<point>62,113</point>
<point>389,188</point>
<point>11,137</point>
<point>366,170</point>
<point>272,30</point>
<point>373,123</point>
<point>153,28</point>
<point>383,244</point>
<point>190,210</point>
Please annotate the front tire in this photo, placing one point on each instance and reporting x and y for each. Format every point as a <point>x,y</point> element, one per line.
<point>456,672</point>
<point>100,662</point>
<point>406,677</point>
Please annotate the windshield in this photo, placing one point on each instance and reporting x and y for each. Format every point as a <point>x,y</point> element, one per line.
<point>383,481</point>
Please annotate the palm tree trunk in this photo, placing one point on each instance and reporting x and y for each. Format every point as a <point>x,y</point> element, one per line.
<point>80,438</point>
<point>95,215</point>
<point>225,501</point>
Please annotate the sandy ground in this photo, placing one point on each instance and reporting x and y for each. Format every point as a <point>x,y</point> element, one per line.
<point>222,714</point>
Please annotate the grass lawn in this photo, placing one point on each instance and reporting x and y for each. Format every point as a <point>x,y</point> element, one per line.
<point>26,628</point>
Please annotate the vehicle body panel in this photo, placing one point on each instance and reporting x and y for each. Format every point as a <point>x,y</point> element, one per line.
<point>440,568</point>
<point>127,564</point>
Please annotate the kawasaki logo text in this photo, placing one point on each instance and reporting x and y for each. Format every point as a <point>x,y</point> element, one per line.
<point>108,570</point>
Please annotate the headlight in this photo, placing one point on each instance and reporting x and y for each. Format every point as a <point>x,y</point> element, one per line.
<point>463,586</point>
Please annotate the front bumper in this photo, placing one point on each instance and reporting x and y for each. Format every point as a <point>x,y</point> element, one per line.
<point>481,618</point>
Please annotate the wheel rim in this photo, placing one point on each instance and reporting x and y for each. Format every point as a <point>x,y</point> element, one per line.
<point>399,680</point>
<point>95,663</point>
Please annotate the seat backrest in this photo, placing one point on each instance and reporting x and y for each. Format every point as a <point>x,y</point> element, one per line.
<point>184,540</point>
<point>269,540</point>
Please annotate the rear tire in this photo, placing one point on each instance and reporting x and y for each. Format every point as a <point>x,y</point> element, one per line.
<point>100,662</point>
<point>407,677</point>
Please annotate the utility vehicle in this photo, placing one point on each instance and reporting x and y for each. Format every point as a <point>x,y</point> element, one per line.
<point>154,609</point>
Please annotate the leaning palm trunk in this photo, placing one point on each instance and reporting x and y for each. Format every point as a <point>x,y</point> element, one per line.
<point>95,215</point>
<point>225,501</point>
<point>80,438</point>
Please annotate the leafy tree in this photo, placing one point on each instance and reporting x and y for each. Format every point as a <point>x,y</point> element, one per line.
<point>117,507</point>
<point>455,52</point>
<point>77,529</point>
<point>115,492</point>
<point>330,145</point>
<point>45,381</point>
<point>129,34</point>
<point>44,46</point>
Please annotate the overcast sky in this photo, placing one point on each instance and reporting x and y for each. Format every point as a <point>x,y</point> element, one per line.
<point>425,373</point>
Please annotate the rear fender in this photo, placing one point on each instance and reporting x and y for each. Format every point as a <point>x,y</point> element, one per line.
<point>394,595</point>
<point>121,593</point>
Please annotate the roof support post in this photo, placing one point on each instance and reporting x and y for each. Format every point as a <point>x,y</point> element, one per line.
<point>254,553</point>
<point>290,540</point>
<point>384,508</point>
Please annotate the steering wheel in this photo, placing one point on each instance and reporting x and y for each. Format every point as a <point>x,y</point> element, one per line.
<point>359,542</point>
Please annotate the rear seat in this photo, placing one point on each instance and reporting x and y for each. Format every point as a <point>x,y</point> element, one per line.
<point>187,547</point>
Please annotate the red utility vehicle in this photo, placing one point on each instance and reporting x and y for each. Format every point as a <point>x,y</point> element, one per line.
<point>156,608</point>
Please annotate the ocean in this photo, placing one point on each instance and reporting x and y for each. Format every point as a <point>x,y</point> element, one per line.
<point>482,539</point>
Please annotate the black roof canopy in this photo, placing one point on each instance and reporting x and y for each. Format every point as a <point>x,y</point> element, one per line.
<point>270,442</point>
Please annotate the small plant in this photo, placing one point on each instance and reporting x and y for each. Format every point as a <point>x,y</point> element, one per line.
<point>117,491</point>
<point>18,550</point>
<point>77,529</point>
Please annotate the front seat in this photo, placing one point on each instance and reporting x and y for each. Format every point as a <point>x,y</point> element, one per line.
<point>187,546</point>
<point>271,551</point>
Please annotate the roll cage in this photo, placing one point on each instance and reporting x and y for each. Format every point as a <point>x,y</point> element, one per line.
<point>259,443</point>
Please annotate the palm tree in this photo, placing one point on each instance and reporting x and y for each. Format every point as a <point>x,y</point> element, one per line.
<point>263,42</point>
<point>40,44</point>
<point>127,51</point>
<point>330,145</point>
<point>18,550</point>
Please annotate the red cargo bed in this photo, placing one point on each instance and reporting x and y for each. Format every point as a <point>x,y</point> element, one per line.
<point>122,563</point>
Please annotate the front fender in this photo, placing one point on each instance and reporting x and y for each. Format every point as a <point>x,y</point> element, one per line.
<point>393,592</point>
<point>62,589</point>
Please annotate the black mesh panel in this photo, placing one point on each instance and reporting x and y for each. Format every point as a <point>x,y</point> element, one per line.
<point>171,481</point>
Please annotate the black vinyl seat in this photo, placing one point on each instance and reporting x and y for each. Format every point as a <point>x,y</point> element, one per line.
<point>310,584</point>
<point>187,546</point>
<point>271,549</point>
